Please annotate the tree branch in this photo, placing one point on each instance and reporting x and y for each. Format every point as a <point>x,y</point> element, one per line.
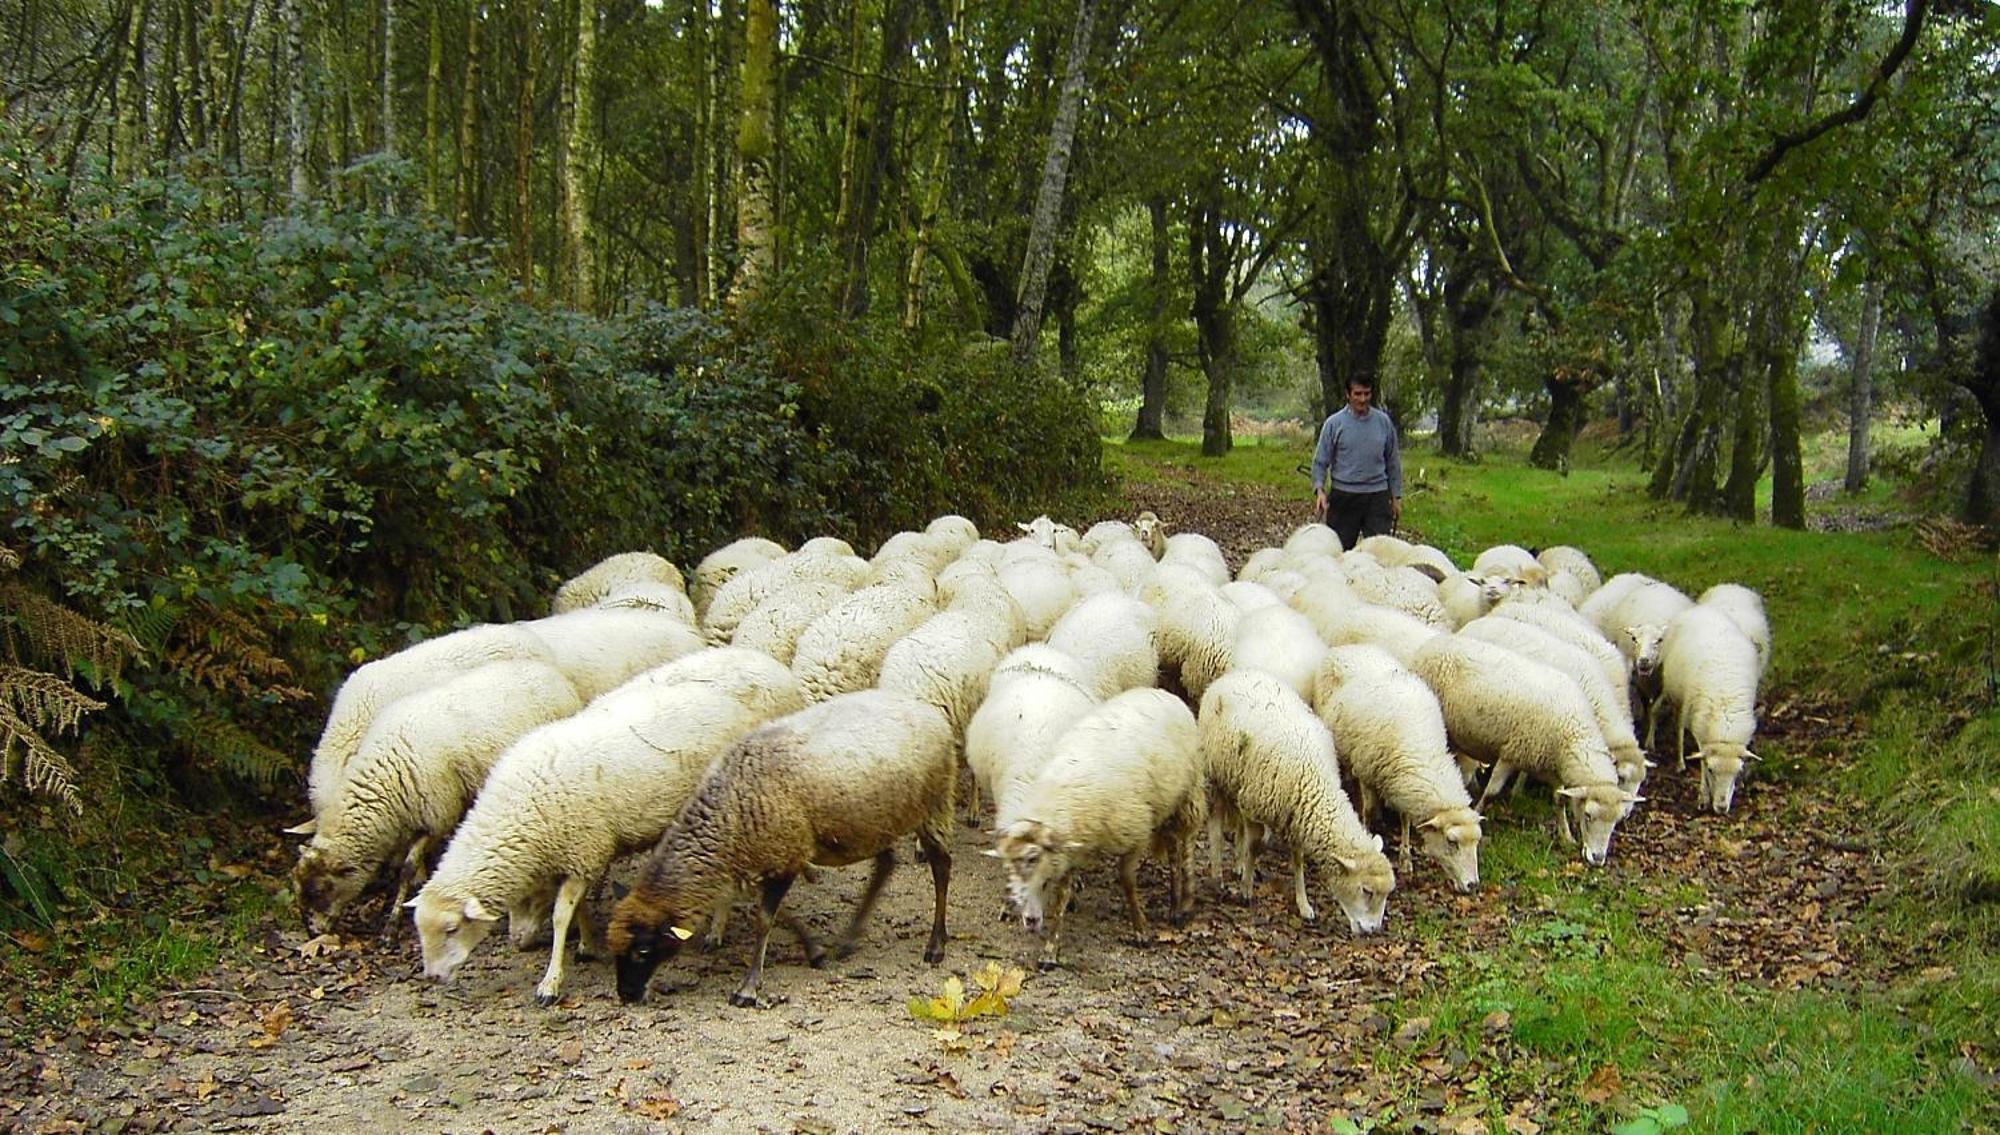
<point>1913,22</point>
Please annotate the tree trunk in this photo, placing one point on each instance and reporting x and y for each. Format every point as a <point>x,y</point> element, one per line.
<point>388,88</point>
<point>130,156</point>
<point>1048,201</point>
<point>1209,268</point>
<point>880,132</point>
<point>468,126</point>
<point>524,150</point>
<point>932,191</point>
<point>1469,300</point>
<point>1153,382</point>
<point>1350,325</point>
<point>756,144</point>
<point>1746,466</point>
<point>433,90</point>
<point>1862,394</point>
<point>1567,390</point>
<point>580,164</point>
<point>1982,381</point>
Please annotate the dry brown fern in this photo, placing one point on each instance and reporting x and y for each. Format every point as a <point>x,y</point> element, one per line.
<point>40,629</point>
<point>1951,539</point>
<point>36,704</point>
<point>225,650</point>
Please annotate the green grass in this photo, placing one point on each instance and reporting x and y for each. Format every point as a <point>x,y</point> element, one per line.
<point>1871,630</point>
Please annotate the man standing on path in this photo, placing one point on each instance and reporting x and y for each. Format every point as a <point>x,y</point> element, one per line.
<point>1357,446</point>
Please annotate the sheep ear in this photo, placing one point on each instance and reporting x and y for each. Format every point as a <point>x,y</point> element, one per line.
<point>1074,845</point>
<point>1633,798</point>
<point>477,912</point>
<point>1574,792</point>
<point>411,905</point>
<point>1750,756</point>
<point>1650,765</point>
<point>681,932</point>
<point>1378,843</point>
<point>310,827</point>
<point>1433,822</point>
<point>1023,527</point>
<point>994,852</point>
<point>1348,865</point>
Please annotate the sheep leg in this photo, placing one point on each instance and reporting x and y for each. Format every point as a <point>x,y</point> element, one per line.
<point>815,953</point>
<point>567,897</point>
<point>1304,904</point>
<point>940,860</point>
<point>1058,906</point>
<point>1183,877</point>
<point>1215,844</point>
<point>1369,804</point>
<point>885,862</point>
<point>774,890</point>
<point>1128,878</point>
<point>1562,817</point>
<point>1502,773</point>
<point>1246,866</point>
<point>1403,860</point>
<point>718,921</point>
<point>412,874</point>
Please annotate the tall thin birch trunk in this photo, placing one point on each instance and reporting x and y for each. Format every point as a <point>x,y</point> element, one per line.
<point>387,114</point>
<point>130,157</point>
<point>756,135</point>
<point>295,99</point>
<point>580,161</point>
<point>468,123</point>
<point>932,201</point>
<point>524,151</point>
<point>1861,398</point>
<point>433,88</point>
<point>1048,201</point>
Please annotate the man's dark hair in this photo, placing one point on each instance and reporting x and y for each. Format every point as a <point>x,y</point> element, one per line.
<point>1363,382</point>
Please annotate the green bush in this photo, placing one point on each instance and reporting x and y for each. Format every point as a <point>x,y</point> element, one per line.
<point>270,444</point>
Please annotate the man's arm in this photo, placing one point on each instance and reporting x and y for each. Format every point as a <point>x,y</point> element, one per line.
<point>1322,461</point>
<point>1392,460</point>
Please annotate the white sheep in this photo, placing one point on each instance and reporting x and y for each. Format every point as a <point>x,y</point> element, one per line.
<point>774,625</point>
<point>567,799</point>
<point>1196,629</point>
<point>976,587</point>
<point>1111,637</point>
<point>1390,550</point>
<point>1271,761</point>
<point>375,685</point>
<point>1089,579</point>
<point>1040,584</point>
<point>1637,624</point>
<point>1196,551</point>
<point>1249,595</point>
<point>1152,532</point>
<point>1512,562</point>
<point>1281,642</point>
<point>1033,697</point>
<point>1313,540</point>
<point>956,531</point>
<point>1526,717</point>
<point>1552,616</point>
<point>1400,589</point>
<point>1053,535</point>
<point>613,573</point>
<point>726,563</point>
<point>1340,619</point>
<point>1104,532</point>
<point>1389,732</point>
<point>598,649</point>
<point>1128,561</point>
<point>830,785</point>
<point>657,598</point>
<point>738,597</point>
<point>415,773</point>
<point>1745,608</point>
<point>1564,558</point>
<point>1124,780</point>
<point>1611,593</point>
<point>842,650</point>
<point>1611,705</point>
<point>1709,671</point>
<point>1466,596</point>
<point>827,546</point>
<point>947,661</point>
<point>929,552</point>
<point>1260,562</point>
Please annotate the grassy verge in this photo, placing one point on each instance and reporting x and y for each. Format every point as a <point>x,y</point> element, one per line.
<point>1880,637</point>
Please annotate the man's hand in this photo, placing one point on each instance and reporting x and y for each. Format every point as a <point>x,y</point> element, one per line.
<point>1395,510</point>
<point>1319,505</point>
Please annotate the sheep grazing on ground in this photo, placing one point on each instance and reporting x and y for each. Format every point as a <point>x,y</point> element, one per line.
<point>415,774</point>
<point>1271,761</point>
<point>948,661</point>
<point>1389,550</point>
<point>1612,705</point>
<point>1280,642</point>
<point>1342,620</point>
<point>737,598</point>
<point>1248,595</point>
<point>652,597</point>
<point>1034,696</point>
<point>1390,734</point>
<point>1637,625</point>
<point>375,685</point>
<point>1111,637</point>
<point>1040,584</point>
<point>598,649</point>
<point>1544,611</point>
<point>1399,589</point>
<point>1124,780</point>
<point>1196,551</point>
<point>1196,629</point>
<point>827,546</point>
<point>1526,717</point>
<point>612,573</point>
<point>1708,671</point>
<point>726,563</point>
<point>929,552</point>
<point>1745,608</point>
<point>569,798</point>
<point>842,650</point>
<point>831,785</point>
<point>1152,532</point>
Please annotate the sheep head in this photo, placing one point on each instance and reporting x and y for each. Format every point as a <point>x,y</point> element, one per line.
<point>1451,837</point>
<point>1646,639</point>
<point>645,931</point>
<point>1721,763</point>
<point>325,885</point>
<point>1037,859</point>
<point>1152,532</point>
<point>1361,885</point>
<point>1596,808</point>
<point>1631,764</point>
<point>449,928</point>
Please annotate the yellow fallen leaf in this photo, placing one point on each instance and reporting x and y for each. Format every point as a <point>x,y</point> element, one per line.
<point>321,946</point>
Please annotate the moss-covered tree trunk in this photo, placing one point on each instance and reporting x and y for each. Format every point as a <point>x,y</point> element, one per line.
<point>756,151</point>
<point>1469,300</point>
<point>1153,380</point>
<point>1982,381</point>
<point>1861,394</point>
<point>1567,389</point>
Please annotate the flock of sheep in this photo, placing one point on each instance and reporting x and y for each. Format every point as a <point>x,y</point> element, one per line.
<point>1114,695</point>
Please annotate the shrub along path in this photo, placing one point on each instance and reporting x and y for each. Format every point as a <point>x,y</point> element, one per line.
<point>1462,1017</point>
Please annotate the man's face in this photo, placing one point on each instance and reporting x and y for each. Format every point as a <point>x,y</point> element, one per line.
<point>1357,400</point>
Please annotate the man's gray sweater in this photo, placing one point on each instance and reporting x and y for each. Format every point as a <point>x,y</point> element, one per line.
<point>1361,452</point>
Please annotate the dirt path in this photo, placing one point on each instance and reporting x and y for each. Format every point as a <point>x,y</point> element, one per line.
<point>1244,1019</point>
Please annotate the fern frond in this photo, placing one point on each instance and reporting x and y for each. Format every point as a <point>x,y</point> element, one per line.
<point>44,700</point>
<point>42,768</point>
<point>48,632</point>
<point>227,651</point>
<point>233,749</point>
<point>10,560</point>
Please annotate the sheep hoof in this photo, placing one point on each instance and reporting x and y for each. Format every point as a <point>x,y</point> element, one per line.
<point>1047,965</point>
<point>934,955</point>
<point>817,959</point>
<point>547,1000</point>
<point>744,1000</point>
